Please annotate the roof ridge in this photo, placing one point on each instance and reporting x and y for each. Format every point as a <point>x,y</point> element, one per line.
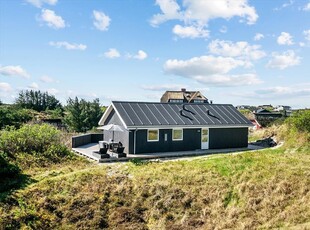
<point>178,103</point>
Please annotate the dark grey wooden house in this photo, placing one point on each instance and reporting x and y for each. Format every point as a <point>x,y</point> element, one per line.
<point>164,127</point>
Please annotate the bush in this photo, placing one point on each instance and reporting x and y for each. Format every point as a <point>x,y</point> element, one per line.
<point>12,116</point>
<point>38,140</point>
<point>7,169</point>
<point>9,174</point>
<point>300,121</point>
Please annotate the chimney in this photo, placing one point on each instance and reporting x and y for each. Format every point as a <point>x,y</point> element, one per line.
<point>183,89</point>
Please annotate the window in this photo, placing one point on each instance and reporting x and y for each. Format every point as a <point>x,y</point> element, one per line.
<point>204,135</point>
<point>152,135</point>
<point>198,101</point>
<point>176,100</point>
<point>177,134</point>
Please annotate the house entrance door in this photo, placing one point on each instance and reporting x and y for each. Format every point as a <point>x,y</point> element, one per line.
<point>205,138</point>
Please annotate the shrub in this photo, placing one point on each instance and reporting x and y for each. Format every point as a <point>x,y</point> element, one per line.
<point>12,116</point>
<point>300,120</point>
<point>9,174</point>
<point>7,169</point>
<point>38,140</point>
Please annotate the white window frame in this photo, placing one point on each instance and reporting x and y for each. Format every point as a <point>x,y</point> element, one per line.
<point>148,135</point>
<point>173,135</point>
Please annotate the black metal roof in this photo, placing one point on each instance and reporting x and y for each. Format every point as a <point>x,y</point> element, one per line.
<point>153,114</point>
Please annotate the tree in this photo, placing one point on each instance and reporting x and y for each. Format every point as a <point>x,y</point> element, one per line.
<point>37,100</point>
<point>12,116</point>
<point>1,102</point>
<point>81,115</point>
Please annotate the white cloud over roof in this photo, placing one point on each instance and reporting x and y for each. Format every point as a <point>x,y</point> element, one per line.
<point>241,49</point>
<point>211,70</point>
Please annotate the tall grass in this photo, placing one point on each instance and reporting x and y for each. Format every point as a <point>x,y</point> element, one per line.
<point>254,190</point>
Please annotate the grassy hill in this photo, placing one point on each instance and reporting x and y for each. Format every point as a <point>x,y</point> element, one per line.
<point>259,189</point>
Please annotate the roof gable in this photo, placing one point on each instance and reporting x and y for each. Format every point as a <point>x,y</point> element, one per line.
<point>150,114</point>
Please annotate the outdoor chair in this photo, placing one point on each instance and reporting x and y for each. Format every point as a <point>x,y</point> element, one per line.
<point>100,154</point>
<point>120,149</point>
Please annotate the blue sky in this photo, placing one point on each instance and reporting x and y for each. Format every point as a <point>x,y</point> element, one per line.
<point>234,51</point>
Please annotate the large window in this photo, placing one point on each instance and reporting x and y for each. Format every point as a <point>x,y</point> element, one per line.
<point>177,134</point>
<point>152,135</point>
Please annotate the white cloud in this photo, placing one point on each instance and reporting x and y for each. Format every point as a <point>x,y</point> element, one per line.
<point>258,37</point>
<point>307,7</point>
<point>52,91</point>
<point>190,32</point>
<point>68,46</point>
<point>284,60</point>
<point>307,34</point>
<point>47,79</point>
<point>39,3</point>
<point>13,71</point>
<point>170,10</point>
<point>284,5</point>
<point>33,85</point>
<point>229,80</point>
<point>163,87</point>
<point>101,21</point>
<point>285,39</point>
<point>202,66</point>
<point>201,11</point>
<point>240,49</point>
<point>5,87</point>
<point>285,91</point>
<point>112,53</point>
<point>211,70</point>
<point>141,55</point>
<point>51,19</point>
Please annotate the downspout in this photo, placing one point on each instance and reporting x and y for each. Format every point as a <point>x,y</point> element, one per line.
<point>134,141</point>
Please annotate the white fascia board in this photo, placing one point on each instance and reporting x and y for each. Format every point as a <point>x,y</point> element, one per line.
<point>189,127</point>
<point>123,122</point>
<point>107,113</point>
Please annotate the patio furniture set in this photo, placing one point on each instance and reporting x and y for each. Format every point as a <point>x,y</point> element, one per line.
<point>110,149</point>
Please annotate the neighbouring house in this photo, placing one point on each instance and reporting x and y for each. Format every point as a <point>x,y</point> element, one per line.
<point>166,127</point>
<point>265,117</point>
<point>284,109</point>
<point>183,96</point>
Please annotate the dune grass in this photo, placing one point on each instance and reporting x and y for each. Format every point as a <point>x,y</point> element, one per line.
<point>260,189</point>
